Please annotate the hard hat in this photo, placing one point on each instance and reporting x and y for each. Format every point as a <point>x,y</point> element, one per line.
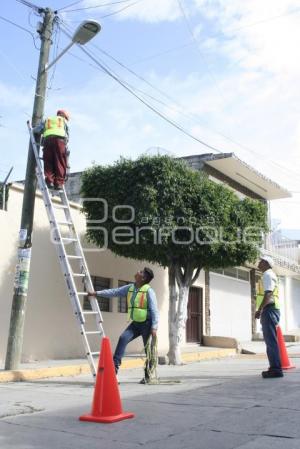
<point>63,113</point>
<point>269,260</point>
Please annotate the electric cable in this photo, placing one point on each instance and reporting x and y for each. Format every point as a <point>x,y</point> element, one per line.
<point>98,6</point>
<point>30,5</point>
<point>69,5</point>
<point>120,10</point>
<point>55,51</point>
<point>191,32</point>
<point>16,25</point>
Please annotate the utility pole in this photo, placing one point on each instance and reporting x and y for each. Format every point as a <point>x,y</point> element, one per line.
<point>17,319</point>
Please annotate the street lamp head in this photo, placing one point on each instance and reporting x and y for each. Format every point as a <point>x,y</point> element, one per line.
<point>86,31</point>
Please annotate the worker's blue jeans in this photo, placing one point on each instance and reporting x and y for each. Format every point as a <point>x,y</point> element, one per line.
<point>269,320</point>
<point>133,331</point>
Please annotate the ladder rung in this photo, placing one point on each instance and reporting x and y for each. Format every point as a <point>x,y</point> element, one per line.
<point>78,275</point>
<point>94,353</point>
<point>82,293</point>
<point>74,257</point>
<point>90,312</point>
<point>68,239</point>
<point>69,223</point>
<point>59,206</point>
<point>93,332</point>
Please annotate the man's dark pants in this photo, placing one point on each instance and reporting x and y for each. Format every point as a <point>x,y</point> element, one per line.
<point>55,160</point>
<point>269,320</point>
<point>133,331</point>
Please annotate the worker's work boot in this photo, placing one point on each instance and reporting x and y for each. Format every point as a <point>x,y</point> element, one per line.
<point>146,378</point>
<point>270,374</point>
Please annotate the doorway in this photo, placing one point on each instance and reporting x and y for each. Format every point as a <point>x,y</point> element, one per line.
<point>194,316</point>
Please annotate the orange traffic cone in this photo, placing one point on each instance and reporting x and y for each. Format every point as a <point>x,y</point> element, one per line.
<point>107,407</point>
<point>285,361</point>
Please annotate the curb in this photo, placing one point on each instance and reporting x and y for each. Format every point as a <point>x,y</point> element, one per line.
<point>209,355</point>
<point>75,370</point>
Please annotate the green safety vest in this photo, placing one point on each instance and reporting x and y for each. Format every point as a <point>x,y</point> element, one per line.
<point>261,293</point>
<point>137,303</point>
<point>55,126</point>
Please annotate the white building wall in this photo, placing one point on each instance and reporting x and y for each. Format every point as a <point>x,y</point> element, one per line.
<point>230,307</point>
<point>292,303</point>
<point>284,303</point>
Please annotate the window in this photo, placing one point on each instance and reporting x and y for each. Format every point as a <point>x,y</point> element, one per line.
<point>122,301</point>
<point>232,272</point>
<point>243,275</point>
<point>99,283</point>
<point>237,273</point>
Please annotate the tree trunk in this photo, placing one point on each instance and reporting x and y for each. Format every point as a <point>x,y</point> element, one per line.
<point>178,308</point>
<point>172,316</point>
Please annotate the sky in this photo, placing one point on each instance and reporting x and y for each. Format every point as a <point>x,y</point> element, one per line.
<point>226,72</point>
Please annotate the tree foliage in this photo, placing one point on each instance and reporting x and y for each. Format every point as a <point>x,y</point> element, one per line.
<point>179,214</point>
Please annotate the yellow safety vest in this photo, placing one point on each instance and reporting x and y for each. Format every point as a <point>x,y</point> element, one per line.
<point>261,293</point>
<point>137,304</point>
<point>55,126</point>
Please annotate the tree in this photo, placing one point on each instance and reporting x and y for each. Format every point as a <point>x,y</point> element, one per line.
<point>173,216</point>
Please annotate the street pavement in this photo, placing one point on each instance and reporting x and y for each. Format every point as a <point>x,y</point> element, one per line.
<point>220,404</point>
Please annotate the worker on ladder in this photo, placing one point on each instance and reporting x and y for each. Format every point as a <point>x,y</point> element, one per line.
<point>55,133</point>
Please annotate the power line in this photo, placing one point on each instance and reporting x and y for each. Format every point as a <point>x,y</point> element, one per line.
<point>157,55</point>
<point>69,5</point>
<point>30,5</point>
<point>122,9</point>
<point>11,63</point>
<point>198,48</point>
<point>96,6</point>
<point>55,47</point>
<point>16,25</point>
<point>269,19</point>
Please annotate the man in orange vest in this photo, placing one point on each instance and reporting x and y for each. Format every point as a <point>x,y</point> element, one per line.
<point>55,139</point>
<point>142,311</point>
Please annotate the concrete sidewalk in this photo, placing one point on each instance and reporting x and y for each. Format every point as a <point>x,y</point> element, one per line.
<point>190,353</point>
<point>74,367</point>
<point>259,348</point>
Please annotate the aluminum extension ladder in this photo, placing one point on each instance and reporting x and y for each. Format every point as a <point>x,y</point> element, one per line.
<point>74,266</point>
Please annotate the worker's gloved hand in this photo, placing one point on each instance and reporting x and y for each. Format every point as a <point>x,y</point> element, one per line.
<point>153,332</point>
<point>91,293</point>
<point>257,315</point>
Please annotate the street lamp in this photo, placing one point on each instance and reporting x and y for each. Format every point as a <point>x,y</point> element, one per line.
<point>83,34</point>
